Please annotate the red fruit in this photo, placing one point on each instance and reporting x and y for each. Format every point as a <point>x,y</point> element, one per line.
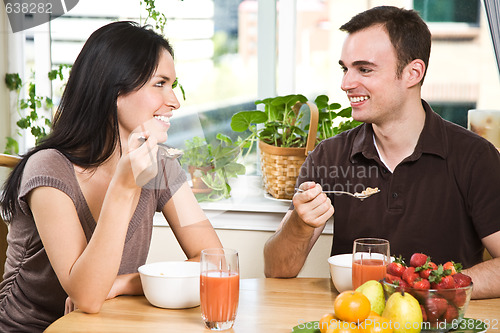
<point>426,269</point>
<point>422,284</point>
<point>450,314</point>
<point>410,275</point>
<point>453,267</point>
<point>418,259</point>
<point>424,313</point>
<point>435,307</point>
<point>447,282</point>
<point>460,298</point>
<point>396,280</point>
<point>462,280</point>
<point>397,267</point>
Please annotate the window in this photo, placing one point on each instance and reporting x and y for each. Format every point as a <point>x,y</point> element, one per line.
<point>459,11</point>
<point>216,46</point>
<point>454,112</point>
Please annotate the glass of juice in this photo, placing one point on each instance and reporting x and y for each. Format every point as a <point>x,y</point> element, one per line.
<point>219,287</point>
<point>370,257</point>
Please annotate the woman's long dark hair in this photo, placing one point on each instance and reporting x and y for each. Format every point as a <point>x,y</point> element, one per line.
<point>117,59</point>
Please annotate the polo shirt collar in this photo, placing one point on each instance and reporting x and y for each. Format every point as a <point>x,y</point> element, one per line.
<point>432,140</point>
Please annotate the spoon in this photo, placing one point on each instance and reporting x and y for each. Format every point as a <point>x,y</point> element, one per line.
<point>166,150</point>
<point>369,191</point>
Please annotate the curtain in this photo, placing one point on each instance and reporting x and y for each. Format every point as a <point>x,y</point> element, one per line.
<point>493,13</point>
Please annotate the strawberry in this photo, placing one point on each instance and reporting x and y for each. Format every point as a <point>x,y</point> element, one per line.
<point>424,313</point>
<point>410,276</point>
<point>397,267</point>
<point>435,307</point>
<point>453,267</point>
<point>450,314</point>
<point>440,278</point>
<point>460,298</point>
<point>425,270</point>
<point>397,281</point>
<point>462,280</point>
<point>423,284</point>
<point>421,291</point>
<point>418,259</point>
<point>446,282</point>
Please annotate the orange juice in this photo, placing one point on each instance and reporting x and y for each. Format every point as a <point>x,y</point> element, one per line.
<point>219,295</point>
<point>367,269</point>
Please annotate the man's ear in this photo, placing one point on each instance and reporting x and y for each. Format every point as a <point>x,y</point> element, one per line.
<point>414,72</point>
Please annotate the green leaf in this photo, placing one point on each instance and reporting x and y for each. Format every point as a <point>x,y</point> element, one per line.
<point>334,106</point>
<point>12,146</point>
<point>345,112</point>
<point>13,81</point>
<point>224,138</point>
<point>53,74</point>
<point>242,120</point>
<point>321,101</point>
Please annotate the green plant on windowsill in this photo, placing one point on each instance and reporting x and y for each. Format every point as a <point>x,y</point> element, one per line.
<point>27,108</point>
<point>211,166</point>
<point>282,126</point>
<point>284,137</point>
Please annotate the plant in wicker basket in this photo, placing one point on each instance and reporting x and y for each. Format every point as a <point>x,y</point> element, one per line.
<point>285,139</point>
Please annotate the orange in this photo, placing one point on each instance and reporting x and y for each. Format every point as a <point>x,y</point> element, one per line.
<point>376,324</point>
<point>343,327</point>
<point>352,306</point>
<point>326,322</point>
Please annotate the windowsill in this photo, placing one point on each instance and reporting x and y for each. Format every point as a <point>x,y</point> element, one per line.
<point>248,208</point>
<point>453,31</point>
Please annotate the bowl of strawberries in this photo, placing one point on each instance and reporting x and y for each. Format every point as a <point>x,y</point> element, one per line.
<point>442,291</point>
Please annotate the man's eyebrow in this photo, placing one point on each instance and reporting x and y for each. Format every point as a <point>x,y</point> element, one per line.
<point>359,63</point>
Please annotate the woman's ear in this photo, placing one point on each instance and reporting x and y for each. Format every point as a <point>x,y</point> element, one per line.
<point>415,71</point>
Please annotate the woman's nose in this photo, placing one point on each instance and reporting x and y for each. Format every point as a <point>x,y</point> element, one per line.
<point>171,100</point>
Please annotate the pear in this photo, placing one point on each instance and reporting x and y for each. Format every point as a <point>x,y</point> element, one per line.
<point>404,312</point>
<point>374,291</point>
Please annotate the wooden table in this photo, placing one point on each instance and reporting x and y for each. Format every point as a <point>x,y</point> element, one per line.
<point>266,305</point>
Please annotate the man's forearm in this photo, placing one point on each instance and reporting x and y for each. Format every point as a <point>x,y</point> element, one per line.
<point>286,251</point>
<point>485,279</point>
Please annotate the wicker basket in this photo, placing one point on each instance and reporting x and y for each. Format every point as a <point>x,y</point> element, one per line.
<point>280,166</point>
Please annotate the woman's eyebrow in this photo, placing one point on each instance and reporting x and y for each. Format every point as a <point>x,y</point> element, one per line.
<point>164,77</point>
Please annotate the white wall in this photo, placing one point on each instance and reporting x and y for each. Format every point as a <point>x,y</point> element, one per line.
<point>250,245</point>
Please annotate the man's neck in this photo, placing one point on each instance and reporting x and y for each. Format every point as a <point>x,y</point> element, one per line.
<point>397,138</point>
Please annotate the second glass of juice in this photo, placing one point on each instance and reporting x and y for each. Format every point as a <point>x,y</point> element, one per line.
<point>370,257</point>
<point>219,287</point>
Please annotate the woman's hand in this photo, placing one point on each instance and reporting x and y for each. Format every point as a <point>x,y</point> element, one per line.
<point>69,306</point>
<point>139,164</point>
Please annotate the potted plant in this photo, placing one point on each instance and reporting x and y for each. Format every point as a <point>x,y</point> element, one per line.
<point>285,138</point>
<point>211,166</point>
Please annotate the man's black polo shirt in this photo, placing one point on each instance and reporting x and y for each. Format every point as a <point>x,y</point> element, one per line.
<point>441,200</point>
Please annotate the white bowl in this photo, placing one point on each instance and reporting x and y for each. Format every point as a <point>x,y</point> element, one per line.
<point>341,271</point>
<point>171,284</point>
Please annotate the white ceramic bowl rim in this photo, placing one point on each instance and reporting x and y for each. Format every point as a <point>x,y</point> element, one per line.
<point>170,269</point>
<point>342,260</point>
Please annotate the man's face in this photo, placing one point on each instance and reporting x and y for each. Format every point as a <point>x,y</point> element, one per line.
<point>369,63</point>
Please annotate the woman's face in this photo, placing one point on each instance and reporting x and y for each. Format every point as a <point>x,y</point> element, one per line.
<point>150,107</point>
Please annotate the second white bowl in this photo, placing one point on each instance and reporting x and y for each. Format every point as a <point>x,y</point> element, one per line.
<point>341,271</point>
<point>171,284</point>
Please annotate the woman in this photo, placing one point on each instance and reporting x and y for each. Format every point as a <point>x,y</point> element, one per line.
<point>81,203</point>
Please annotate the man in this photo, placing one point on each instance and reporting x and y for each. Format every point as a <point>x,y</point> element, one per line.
<point>439,182</point>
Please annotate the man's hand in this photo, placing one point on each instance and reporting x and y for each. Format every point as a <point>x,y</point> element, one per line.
<point>312,206</point>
